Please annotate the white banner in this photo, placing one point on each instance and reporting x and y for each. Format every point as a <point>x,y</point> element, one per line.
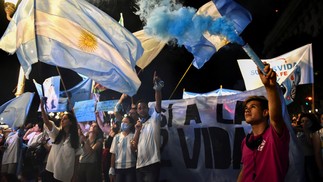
<point>218,92</point>
<point>300,59</point>
<point>202,139</point>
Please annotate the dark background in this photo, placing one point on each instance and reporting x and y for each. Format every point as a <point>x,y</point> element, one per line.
<point>278,26</point>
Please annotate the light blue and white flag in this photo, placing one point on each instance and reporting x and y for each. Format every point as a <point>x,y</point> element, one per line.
<point>39,89</point>
<point>80,92</point>
<point>78,36</point>
<point>20,36</point>
<point>230,20</point>
<point>15,111</point>
<point>215,24</point>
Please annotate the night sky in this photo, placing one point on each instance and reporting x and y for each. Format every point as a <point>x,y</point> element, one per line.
<point>173,61</point>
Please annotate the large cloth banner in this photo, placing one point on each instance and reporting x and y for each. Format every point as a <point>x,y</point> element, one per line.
<point>218,92</point>
<point>202,139</point>
<point>299,62</point>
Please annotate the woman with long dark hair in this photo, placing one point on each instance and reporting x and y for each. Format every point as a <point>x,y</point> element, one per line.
<point>65,146</point>
<point>90,159</point>
<point>310,142</point>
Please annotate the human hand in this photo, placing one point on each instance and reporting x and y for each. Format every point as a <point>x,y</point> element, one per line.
<point>31,129</point>
<point>138,125</point>
<point>97,114</point>
<point>81,135</point>
<point>158,83</point>
<point>270,78</point>
<point>112,174</point>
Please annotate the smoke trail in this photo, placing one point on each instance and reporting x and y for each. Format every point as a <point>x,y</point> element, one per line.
<point>167,20</point>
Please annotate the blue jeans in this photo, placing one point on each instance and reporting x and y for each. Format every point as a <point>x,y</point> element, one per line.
<point>148,173</point>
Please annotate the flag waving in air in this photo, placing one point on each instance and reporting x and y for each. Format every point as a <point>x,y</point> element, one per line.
<point>237,20</point>
<point>15,111</point>
<point>203,32</point>
<point>78,36</point>
<point>152,48</point>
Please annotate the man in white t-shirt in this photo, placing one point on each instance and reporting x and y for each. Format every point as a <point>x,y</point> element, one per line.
<point>147,137</point>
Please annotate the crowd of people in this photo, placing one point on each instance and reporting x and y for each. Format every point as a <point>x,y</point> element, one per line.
<point>122,148</point>
<point>126,147</point>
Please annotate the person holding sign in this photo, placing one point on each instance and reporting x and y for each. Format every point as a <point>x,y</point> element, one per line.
<point>65,146</point>
<point>265,149</point>
<point>147,137</point>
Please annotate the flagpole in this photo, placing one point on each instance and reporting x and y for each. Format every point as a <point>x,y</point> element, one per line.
<point>65,90</point>
<point>21,83</point>
<point>313,100</point>
<point>180,80</point>
<point>313,88</point>
<point>10,7</point>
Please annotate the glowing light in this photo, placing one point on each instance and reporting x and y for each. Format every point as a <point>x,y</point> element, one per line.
<point>309,98</point>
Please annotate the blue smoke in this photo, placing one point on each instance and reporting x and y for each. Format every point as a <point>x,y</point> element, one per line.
<point>167,21</point>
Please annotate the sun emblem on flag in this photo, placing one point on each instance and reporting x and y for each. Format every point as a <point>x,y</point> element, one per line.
<point>87,42</point>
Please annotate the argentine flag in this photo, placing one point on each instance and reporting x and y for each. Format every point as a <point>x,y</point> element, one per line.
<point>76,35</point>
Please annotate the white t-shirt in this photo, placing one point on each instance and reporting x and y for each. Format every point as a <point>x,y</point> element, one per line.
<point>10,155</point>
<point>61,157</point>
<point>34,139</point>
<point>149,141</point>
<point>121,147</point>
<point>321,139</point>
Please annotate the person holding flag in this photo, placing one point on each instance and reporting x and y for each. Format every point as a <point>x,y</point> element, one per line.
<point>65,146</point>
<point>265,150</point>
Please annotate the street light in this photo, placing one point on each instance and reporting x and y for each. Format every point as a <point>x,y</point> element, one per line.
<point>10,7</point>
<point>309,103</point>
